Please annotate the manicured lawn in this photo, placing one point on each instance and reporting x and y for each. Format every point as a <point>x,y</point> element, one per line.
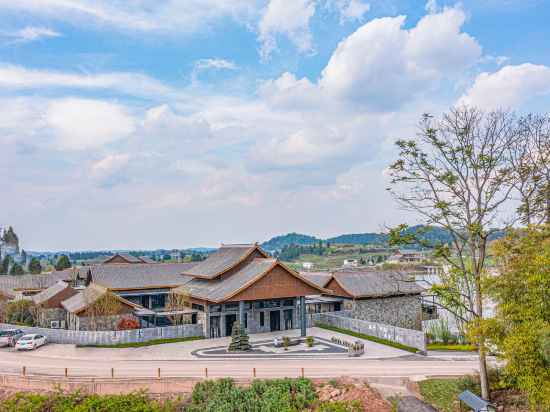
<point>367,337</point>
<point>450,347</point>
<point>443,393</point>
<point>149,343</point>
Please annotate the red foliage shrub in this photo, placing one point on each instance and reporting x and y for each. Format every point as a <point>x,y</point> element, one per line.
<point>127,323</point>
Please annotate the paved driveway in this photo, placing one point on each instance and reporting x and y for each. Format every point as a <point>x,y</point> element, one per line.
<point>176,359</point>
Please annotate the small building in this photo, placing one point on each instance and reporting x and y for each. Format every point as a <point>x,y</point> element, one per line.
<point>52,314</point>
<point>307,265</point>
<point>81,313</point>
<point>406,256</point>
<point>350,263</point>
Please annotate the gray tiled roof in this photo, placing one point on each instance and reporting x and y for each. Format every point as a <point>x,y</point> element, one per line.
<point>220,289</point>
<point>366,284</point>
<point>88,296</point>
<point>126,256</point>
<point>146,275</point>
<point>33,282</point>
<point>222,260</point>
<point>147,259</point>
<point>321,279</point>
<point>50,292</point>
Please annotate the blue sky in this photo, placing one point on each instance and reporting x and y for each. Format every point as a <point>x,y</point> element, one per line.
<point>179,124</point>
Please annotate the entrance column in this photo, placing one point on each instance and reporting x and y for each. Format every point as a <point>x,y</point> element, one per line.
<point>303,316</point>
<point>241,313</point>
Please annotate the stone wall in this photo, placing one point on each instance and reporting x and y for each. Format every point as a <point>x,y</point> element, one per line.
<point>103,322</point>
<point>400,311</point>
<point>111,337</point>
<point>46,316</point>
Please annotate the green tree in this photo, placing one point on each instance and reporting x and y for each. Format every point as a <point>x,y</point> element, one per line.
<point>35,267</point>
<point>521,326</point>
<point>21,312</point>
<point>63,263</point>
<point>5,265</point>
<point>457,176</point>
<point>16,269</point>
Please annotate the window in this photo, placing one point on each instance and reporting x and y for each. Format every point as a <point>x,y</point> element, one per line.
<point>215,308</point>
<point>288,302</point>
<point>262,319</point>
<point>197,307</point>
<point>231,306</point>
<point>246,320</point>
<point>158,301</point>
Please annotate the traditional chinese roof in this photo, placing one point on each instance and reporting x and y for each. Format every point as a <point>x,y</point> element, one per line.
<point>51,292</point>
<point>13,283</point>
<point>89,296</point>
<point>224,259</point>
<point>224,288</point>
<point>371,284</point>
<point>125,257</point>
<point>144,276</point>
<point>321,279</point>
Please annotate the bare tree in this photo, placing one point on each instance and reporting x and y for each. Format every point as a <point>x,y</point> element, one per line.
<point>106,305</point>
<point>530,157</point>
<point>457,175</point>
<point>178,305</point>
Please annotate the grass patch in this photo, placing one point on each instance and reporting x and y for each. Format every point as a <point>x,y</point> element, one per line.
<point>451,347</point>
<point>443,393</point>
<point>148,343</point>
<point>368,337</point>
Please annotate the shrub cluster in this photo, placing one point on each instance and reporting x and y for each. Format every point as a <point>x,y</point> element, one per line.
<point>276,395</point>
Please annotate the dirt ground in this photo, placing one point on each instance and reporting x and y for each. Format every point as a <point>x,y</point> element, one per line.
<point>352,390</point>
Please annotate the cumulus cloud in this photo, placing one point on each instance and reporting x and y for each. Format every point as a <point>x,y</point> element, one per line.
<point>290,19</point>
<point>349,10</point>
<point>508,87</point>
<point>81,124</point>
<point>382,65</point>
<point>136,84</point>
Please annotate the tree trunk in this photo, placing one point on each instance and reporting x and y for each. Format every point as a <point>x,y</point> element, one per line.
<point>483,377</point>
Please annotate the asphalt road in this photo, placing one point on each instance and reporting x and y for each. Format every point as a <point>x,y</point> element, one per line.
<point>408,366</point>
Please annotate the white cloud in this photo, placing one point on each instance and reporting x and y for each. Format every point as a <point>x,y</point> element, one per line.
<point>382,65</point>
<point>508,87</point>
<point>204,64</point>
<point>288,18</point>
<point>109,164</point>
<point>431,6</point>
<point>17,77</point>
<point>30,33</point>
<point>144,15</point>
<point>81,124</point>
<point>349,10</point>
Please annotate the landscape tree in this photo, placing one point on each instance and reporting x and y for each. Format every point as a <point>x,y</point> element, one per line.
<point>178,305</point>
<point>456,175</point>
<point>35,267</point>
<point>16,269</point>
<point>530,158</point>
<point>5,265</point>
<point>20,312</point>
<point>521,326</point>
<point>107,305</point>
<point>63,263</point>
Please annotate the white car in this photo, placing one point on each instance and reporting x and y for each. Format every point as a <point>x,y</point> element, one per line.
<point>8,337</point>
<point>30,342</point>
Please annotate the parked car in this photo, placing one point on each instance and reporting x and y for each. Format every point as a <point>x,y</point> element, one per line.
<point>8,337</point>
<point>30,342</point>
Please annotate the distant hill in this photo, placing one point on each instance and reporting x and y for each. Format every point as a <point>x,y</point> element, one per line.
<point>278,242</point>
<point>433,235</point>
<point>360,239</point>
